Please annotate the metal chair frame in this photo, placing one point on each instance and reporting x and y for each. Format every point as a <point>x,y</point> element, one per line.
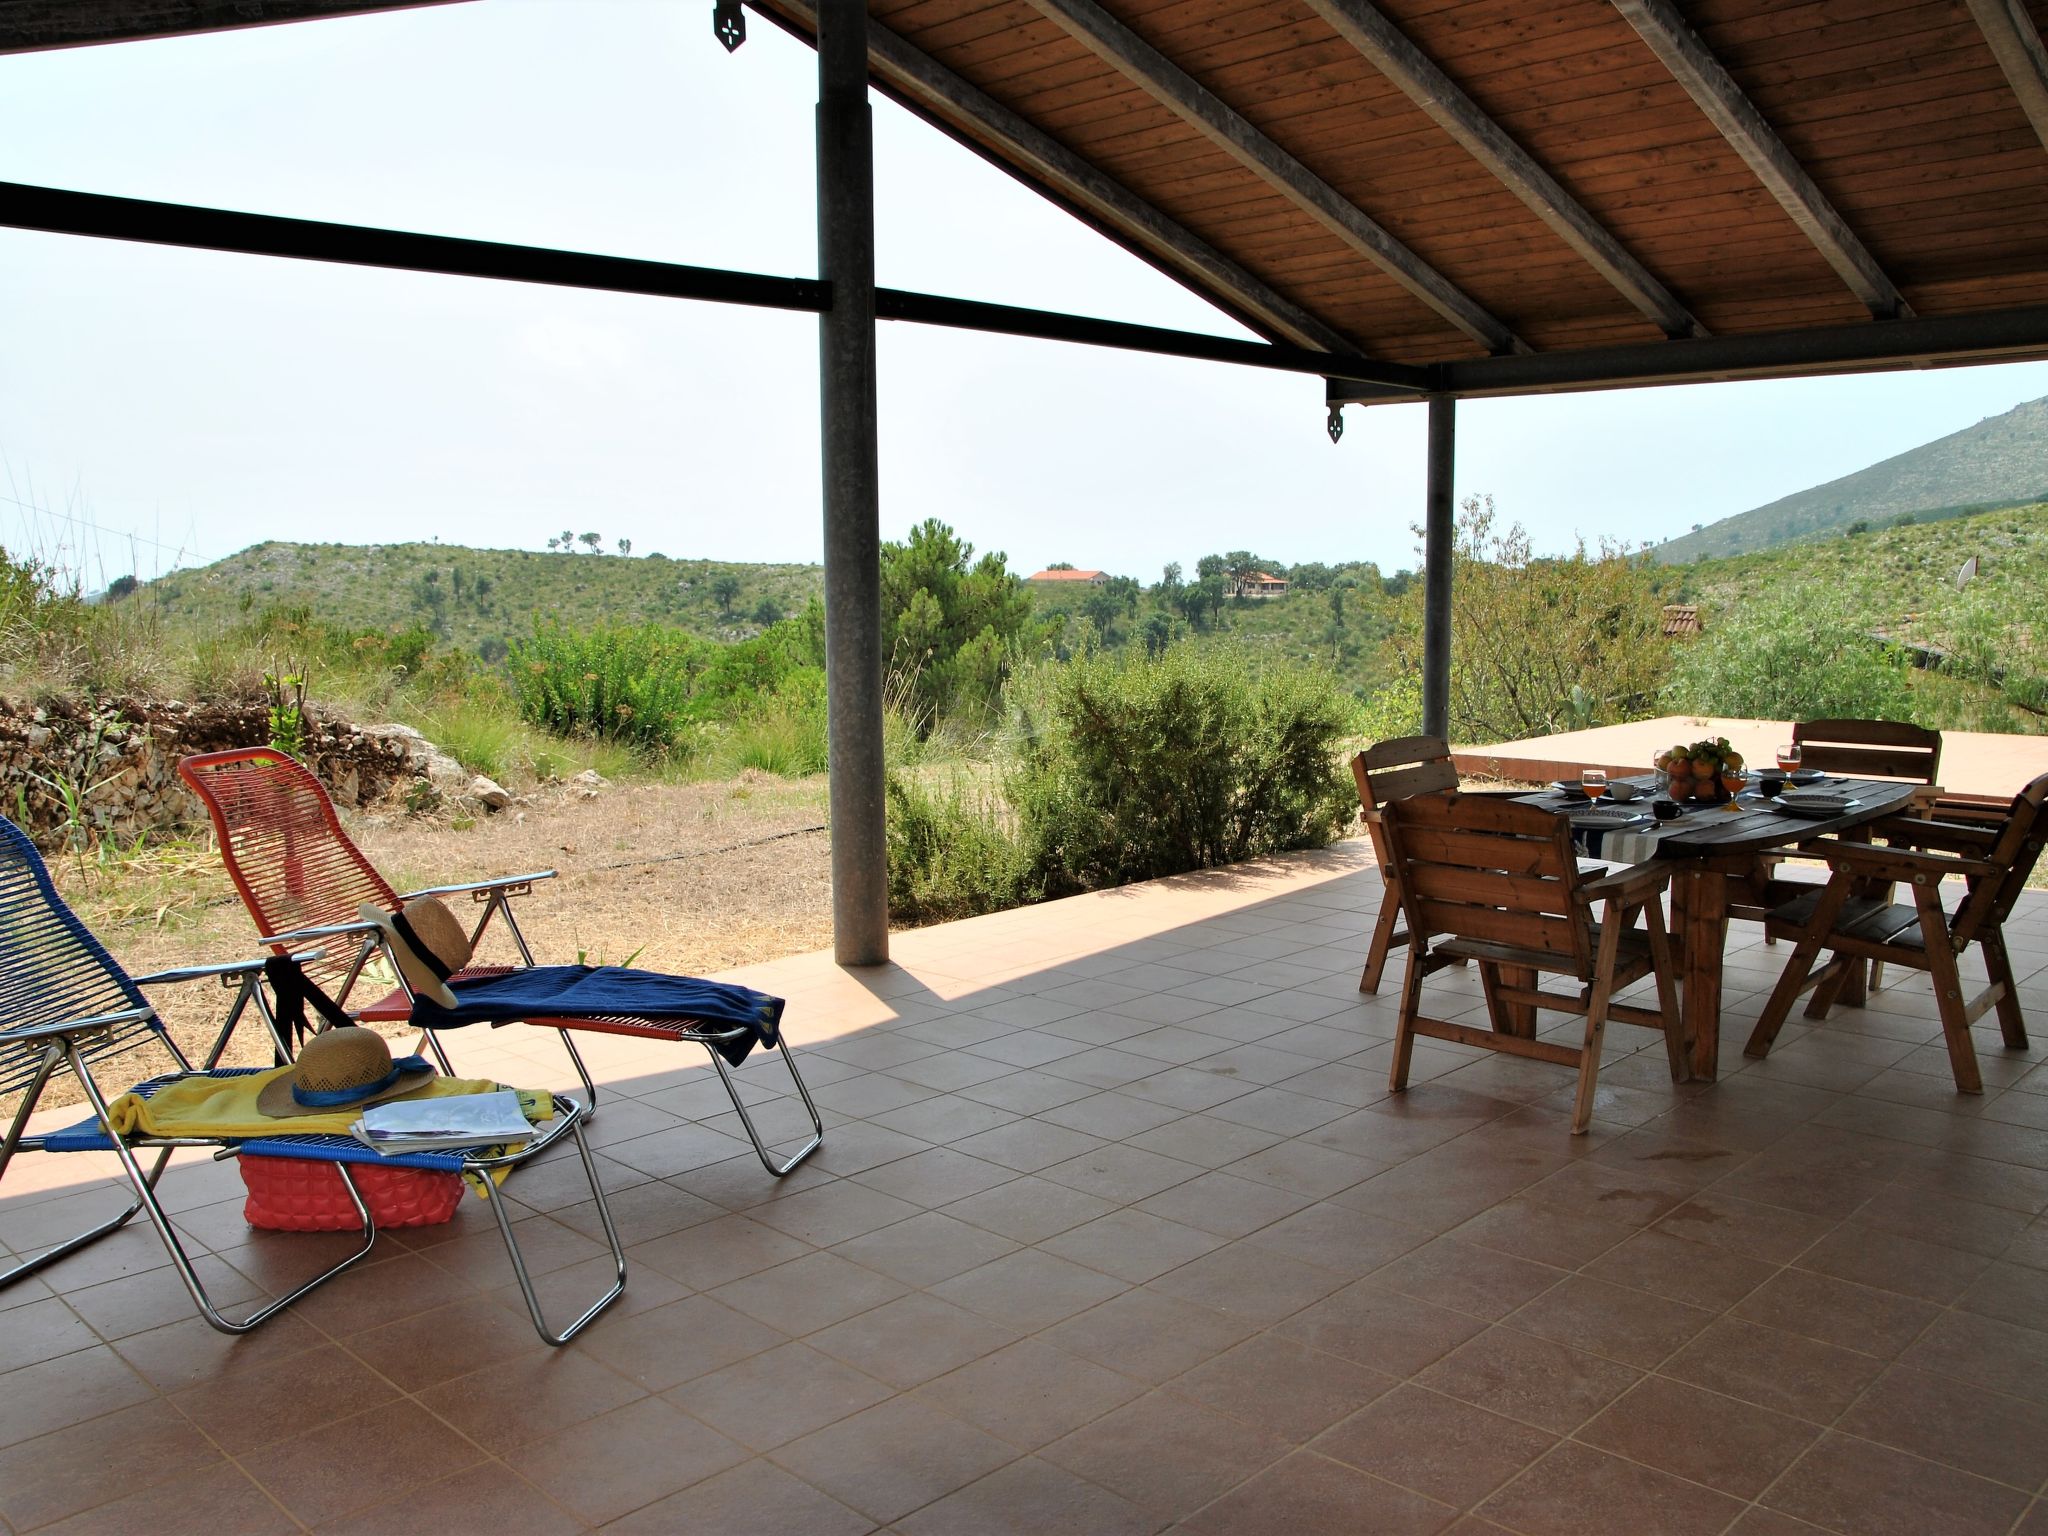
<point>201,773</point>
<point>45,950</point>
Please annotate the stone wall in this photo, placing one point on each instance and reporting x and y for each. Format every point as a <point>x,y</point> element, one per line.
<point>121,756</point>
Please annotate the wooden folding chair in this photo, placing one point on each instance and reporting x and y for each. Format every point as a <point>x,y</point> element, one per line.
<point>1994,858</point>
<point>1501,883</point>
<point>1387,771</point>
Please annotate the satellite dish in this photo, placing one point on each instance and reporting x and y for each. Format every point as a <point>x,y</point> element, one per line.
<point>1967,573</point>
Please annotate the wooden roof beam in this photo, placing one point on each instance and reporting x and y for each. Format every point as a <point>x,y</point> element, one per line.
<point>1713,89</point>
<point>938,91</point>
<point>1389,50</point>
<point>1170,85</point>
<point>29,25</point>
<point>2016,43</point>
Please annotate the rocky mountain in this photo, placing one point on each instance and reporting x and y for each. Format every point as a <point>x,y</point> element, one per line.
<point>2000,462</point>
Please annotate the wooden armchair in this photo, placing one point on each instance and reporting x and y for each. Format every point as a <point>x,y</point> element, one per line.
<point>1869,749</point>
<point>1390,770</point>
<point>1501,883</point>
<point>1993,857</point>
<point>1857,749</point>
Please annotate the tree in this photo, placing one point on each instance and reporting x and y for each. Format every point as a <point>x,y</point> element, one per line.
<point>567,540</point>
<point>553,542</point>
<point>592,540</point>
<point>1170,585</point>
<point>120,587</point>
<point>1115,599</point>
<point>1311,576</point>
<point>767,612</point>
<point>724,590</point>
<point>1061,565</point>
<point>1158,634</point>
<point>951,624</point>
<point>1538,643</point>
<point>1207,566</point>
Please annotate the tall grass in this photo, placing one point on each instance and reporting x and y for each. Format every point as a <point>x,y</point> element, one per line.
<point>53,641</point>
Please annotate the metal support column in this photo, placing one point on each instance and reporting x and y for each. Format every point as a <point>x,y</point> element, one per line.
<point>1436,567</point>
<point>853,540</point>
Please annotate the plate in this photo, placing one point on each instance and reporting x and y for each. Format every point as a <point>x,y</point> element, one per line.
<point>1816,805</point>
<point>1607,816</point>
<point>1569,787</point>
<point>1801,776</point>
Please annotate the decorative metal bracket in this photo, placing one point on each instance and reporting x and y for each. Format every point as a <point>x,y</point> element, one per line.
<point>729,23</point>
<point>1335,425</point>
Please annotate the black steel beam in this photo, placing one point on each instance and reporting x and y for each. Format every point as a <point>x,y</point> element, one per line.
<point>1007,320</point>
<point>1936,341</point>
<point>58,211</point>
<point>1439,523</point>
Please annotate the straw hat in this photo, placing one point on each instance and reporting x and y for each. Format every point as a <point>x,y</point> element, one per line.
<point>341,1069</point>
<point>428,942</point>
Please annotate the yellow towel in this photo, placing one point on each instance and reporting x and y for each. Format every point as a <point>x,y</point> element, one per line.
<point>226,1106</point>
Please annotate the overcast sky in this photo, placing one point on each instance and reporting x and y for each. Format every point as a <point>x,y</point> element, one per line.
<point>163,407</point>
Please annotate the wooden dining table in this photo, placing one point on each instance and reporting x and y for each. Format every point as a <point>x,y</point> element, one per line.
<point>1717,850</point>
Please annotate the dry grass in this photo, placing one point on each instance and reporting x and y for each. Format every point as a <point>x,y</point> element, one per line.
<point>674,877</point>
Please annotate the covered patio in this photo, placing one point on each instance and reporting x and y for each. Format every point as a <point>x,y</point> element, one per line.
<point>1116,1229</point>
<point>1116,1226</point>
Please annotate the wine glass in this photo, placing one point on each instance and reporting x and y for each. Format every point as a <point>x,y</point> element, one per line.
<point>1788,758</point>
<point>1734,780</point>
<point>1593,781</point>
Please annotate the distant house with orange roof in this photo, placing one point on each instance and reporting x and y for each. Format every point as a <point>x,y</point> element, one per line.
<point>1066,575</point>
<point>1258,584</point>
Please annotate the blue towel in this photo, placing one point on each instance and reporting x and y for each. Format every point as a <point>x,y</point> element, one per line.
<point>609,991</point>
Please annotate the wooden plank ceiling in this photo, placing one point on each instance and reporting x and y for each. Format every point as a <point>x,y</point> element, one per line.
<point>1430,181</point>
<point>1895,116</point>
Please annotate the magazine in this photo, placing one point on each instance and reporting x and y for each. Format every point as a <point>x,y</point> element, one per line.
<point>432,1125</point>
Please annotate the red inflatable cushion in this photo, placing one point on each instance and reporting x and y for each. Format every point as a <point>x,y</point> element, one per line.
<point>290,1194</point>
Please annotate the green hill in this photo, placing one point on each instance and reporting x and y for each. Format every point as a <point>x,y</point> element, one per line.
<point>2000,462</point>
<point>1901,583</point>
<point>1909,569</point>
<point>479,599</point>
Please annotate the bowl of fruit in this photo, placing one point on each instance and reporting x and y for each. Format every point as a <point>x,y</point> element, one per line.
<point>1705,773</point>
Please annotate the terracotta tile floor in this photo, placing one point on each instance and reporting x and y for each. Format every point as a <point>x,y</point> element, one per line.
<point>1116,1229</point>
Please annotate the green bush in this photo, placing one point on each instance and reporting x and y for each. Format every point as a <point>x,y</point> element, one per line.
<point>1792,654</point>
<point>953,850</point>
<point>1149,767</point>
<point>624,683</point>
